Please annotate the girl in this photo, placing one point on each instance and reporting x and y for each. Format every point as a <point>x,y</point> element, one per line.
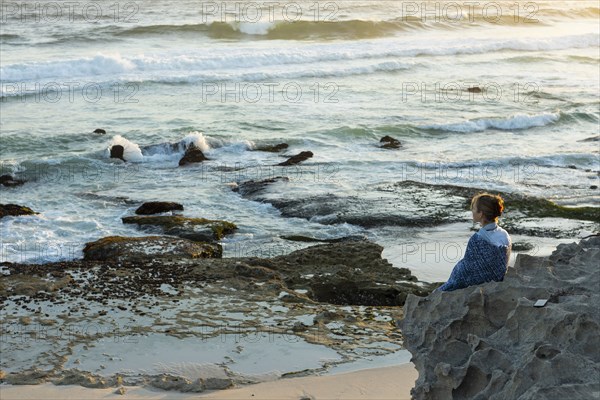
<point>488,251</point>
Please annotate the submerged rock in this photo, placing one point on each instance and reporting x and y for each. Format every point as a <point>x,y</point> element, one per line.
<point>273,148</point>
<point>119,248</point>
<point>196,229</point>
<point>14,210</point>
<point>390,143</point>
<point>192,155</point>
<point>298,158</point>
<point>157,207</point>
<point>489,341</point>
<point>10,181</point>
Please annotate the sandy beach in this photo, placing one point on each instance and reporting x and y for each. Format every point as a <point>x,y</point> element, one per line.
<point>377,383</point>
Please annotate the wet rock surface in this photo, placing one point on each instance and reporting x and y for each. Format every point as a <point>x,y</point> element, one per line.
<point>416,204</point>
<point>298,158</point>
<point>388,142</point>
<point>192,155</point>
<point>120,248</point>
<point>157,207</point>
<point>168,300</point>
<point>14,210</point>
<point>10,181</point>
<point>195,229</point>
<point>117,151</point>
<point>275,148</point>
<point>490,342</point>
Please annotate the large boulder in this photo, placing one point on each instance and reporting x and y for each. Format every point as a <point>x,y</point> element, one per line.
<point>490,342</point>
<point>10,181</point>
<point>157,207</point>
<point>117,151</point>
<point>192,155</point>
<point>14,210</point>
<point>119,248</point>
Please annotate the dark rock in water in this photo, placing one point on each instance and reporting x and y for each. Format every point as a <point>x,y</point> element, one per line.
<point>474,89</point>
<point>119,248</point>
<point>250,188</point>
<point>195,229</point>
<point>192,155</point>
<point>489,341</point>
<point>273,148</point>
<point>594,187</point>
<point>14,210</point>
<point>572,166</point>
<point>100,131</point>
<point>298,158</point>
<point>308,239</point>
<point>117,151</point>
<point>10,181</point>
<point>390,143</point>
<point>157,207</point>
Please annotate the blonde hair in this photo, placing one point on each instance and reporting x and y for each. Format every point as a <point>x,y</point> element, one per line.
<point>491,205</point>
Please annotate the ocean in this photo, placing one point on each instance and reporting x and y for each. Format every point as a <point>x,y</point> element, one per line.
<point>330,77</point>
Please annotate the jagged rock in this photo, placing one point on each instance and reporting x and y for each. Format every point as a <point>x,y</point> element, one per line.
<point>489,341</point>
<point>117,151</point>
<point>390,143</point>
<point>10,181</point>
<point>14,210</point>
<point>100,131</point>
<point>298,158</point>
<point>273,148</point>
<point>196,229</point>
<point>119,248</point>
<point>157,207</point>
<point>192,155</point>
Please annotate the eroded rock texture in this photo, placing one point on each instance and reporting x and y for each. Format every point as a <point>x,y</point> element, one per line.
<point>490,342</point>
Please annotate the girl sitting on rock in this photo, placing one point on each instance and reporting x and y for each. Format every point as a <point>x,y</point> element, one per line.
<point>488,251</point>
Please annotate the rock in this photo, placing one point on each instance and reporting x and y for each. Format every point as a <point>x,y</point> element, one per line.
<point>100,131</point>
<point>157,207</point>
<point>120,390</point>
<point>273,148</point>
<point>474,89</point>
<point>416,204</point>
<point>196,229</point>
<point>298,158</point>
<point>591,139</point>
<point>14,210</point>
<point>217,383</point>
<point>117,151</point>
<point>594,187</point>
<point>390,143</point>
<point>119,248</point>
<point>488,341</point>
<point>192,155</point>
<point>10,181</point>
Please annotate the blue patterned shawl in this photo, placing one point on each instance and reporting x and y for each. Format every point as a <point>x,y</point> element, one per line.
<point>483,262</point>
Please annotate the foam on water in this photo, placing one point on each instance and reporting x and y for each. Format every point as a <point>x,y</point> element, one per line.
<point>515,122</point>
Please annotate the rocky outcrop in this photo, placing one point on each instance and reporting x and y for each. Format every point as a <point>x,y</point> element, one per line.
<point>195,229</point>
<point>157,207</point>
<point>10,181</point>
<point>192,155</point>
<point>119,248</point>
<point>117,151</point>
<point>389,142</point>
<point>100,131</point>
<point>490,341</point>
<point>14,210</point>
<point>274,148</point>
<point>418,204</point>
<point>298,158</point>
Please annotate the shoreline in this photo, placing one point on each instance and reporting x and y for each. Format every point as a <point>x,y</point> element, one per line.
<point>372,383</point>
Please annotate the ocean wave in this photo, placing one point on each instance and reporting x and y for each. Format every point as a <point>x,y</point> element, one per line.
<point>515,122</point>
<point>234,62</point>
<point>133,152</point>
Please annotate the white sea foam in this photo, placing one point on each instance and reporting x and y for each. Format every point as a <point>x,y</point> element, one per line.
<point>515,122</point>
<point>131,152</point>
<point>233,61</point>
